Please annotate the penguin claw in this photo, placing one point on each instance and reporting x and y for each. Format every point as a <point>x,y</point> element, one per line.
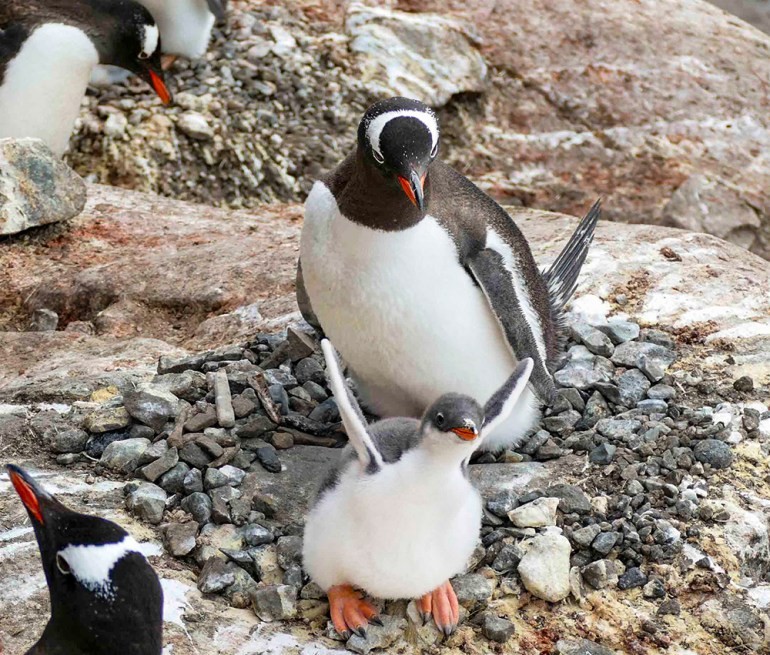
<point>360,631</point>
<point>377,621</point>
<point>350,612</point>
<point>345,634</point>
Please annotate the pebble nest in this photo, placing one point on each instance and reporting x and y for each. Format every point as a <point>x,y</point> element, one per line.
<point>201,436</point>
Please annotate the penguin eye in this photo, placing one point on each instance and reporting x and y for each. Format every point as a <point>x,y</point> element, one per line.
<point>144,55</point>
<point>378,157</point>
<point>434,152</point>
<point>62,564</point>
<point>439,419</point>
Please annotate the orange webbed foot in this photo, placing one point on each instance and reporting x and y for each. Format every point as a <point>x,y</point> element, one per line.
<point>441,603</point>
<point>350,611</point>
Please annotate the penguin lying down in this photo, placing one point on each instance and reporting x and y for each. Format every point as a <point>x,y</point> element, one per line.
<point>105,596</point>
<point>397,516</point>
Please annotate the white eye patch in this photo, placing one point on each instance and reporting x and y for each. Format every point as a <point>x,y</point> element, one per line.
<point>150,38</point>
<point>92,565</point>
<point>377,125</point>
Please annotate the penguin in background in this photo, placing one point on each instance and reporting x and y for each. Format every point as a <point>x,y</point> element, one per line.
<point>105,596</point>
<point>48,50</point>
<point>423,282</point>
<point>185,25</point>
<point>397,516</point>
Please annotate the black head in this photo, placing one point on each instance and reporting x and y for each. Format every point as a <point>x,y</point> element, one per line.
<point>400,138</point>
<point>125,34</point>
<point>103,591</point>
<point>457,416</point>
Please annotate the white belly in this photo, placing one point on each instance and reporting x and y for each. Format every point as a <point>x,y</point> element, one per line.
<point>398,534</point>
<point>185,25</point>
<point>44,85</point>
<point>405,315</point>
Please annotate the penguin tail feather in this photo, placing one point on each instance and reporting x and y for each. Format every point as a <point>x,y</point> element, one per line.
<point>562,276</point>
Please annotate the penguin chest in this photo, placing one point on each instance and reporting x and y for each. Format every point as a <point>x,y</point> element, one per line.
<point>401,309</point>
<point>44,84</point>
<point>185,25</point>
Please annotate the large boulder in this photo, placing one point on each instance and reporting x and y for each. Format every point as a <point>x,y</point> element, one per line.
<point>36,187</point>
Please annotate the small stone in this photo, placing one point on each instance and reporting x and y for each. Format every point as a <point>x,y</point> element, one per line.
<point>670,606</point>
<point>620,331</point>
<point>599,574</point>
<point>243,404</point>
<point>661,392</point>
<point>151,405</point>
<point>148,502</point>
<point>202,420</point>
<point>584,536</point>
<point>124,455</point>
<point>744,383</point>
<point>503,502</point>
<point>179,538</point>
<point>378,637</point>
<point>315,391</point>
<point>223,400</point>
<point>652,406</point>
<point>199,506</point>
<point>255,427</point>
<point>282,440</point>
<point>194,455</point>
<point>563,423</point>
<point>596,342</point>
<point>300,345</point>
<point>234,475</point>
<point>544,569</point>
<point>581,647</point>
<point>618,429</point>
<point>309,369</point>
<point>713,452</point>
<point>68,441</point>
<point>275,602</point>
<point>632,387</point>
<point>172,481</point>
<point>497,629</point>
<point>326,412</point>
<point>654,589</point>
<point>549,450</point>
<point>43,320</point>
<point>193,481</point>
<point>215,576</point>
<point>603,454</point>
<point>632,578</point>
<point>256,535</point>
<point>268,458</point>
<point>572,499</point>
<point>604,542</point>
<point>210,445</point>
<point>471,589</point>
<point>507,559</point>
<point>98,443</point>
<point>651,358</point>
<point>220,499</point>
<point>195,126</point>
<point>214,478</point>
<point>536,514</point>
<point>187,385</point>
<point>289,551</point>
<point>107,419</point>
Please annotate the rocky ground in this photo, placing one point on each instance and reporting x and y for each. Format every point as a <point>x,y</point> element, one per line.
<point>209,444</point>
<point>544,108</point>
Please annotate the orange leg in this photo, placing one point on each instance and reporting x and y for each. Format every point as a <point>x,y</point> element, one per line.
<point>442,604</point>
<point>350,612</point>
<point>167,61</point>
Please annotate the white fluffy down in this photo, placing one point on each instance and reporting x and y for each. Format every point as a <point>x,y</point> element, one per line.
<point>397,534</point>
<point>405,316</point>
<point>185,25</point>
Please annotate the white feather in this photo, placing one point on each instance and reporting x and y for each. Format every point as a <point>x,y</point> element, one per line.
<point>406,318</point>
<point>92,565</point>
<point>150,38</point>
<point>398,533</point>
<point>185,25</point>
<point>44,85</point>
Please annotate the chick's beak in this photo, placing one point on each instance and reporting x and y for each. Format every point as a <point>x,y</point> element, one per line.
<point>153,75</point>
<point>29,493</point>
<point>413,188</point>
<point>467,432</point>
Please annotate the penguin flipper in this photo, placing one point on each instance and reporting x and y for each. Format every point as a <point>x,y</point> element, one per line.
<point>499,407</point>
<point>489,269</point>
<point>303,302</point>
<point>351,414</point>
<point>562,275</point>
<point>217,7</point>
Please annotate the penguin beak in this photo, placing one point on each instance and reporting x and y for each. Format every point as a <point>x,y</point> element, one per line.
<point>152,73</point>
<point>32,496</point>
<point>413,188</point>
<point>468,432</point>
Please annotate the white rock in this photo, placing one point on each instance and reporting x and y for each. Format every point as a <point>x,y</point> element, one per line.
<point>115,125</point>
<point>195,126</point>
<point>537,514</point>
<point>418,55</point>
<point>544,569</point>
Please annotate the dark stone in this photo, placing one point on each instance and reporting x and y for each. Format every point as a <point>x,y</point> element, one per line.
<point>198,505</point>
<point>95,447</point>
<point>571,498</point>
<point>309,370</point>
<point>604,542</point>
<point>268,458</point>
<point>194,455</point>
<point>172,481</point>
<point>713,452</point>
<point>603,454</point>
<point>632,578</point>
<point>497,629</point>
<point>744,383</point>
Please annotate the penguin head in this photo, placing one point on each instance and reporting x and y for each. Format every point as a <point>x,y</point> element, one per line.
<point>103,591</point>
<point>399,137</point>
<point>131,41</point>
<point>454,419</point>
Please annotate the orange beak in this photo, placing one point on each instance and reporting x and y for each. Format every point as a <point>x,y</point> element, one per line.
<point>466,434</point>
<point>413,188</point>
<point>160,87</point>
<point>26,493</point>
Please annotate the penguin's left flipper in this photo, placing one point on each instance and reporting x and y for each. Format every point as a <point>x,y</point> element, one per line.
<point>350,412</point>
<point>303,301</point>
<point>490,271</point>
<point>218,8</point>
<point>499,407</point>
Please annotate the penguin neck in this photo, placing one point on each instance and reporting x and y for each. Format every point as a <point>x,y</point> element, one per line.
<point>441,455</point>
<point>371,199</point>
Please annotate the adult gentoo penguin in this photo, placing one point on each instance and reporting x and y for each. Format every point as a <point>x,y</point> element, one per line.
<point>423,282</point>
<point>105,597</point>
<point>48,49</point>
<point>186,25</point>
<point>397,516</point>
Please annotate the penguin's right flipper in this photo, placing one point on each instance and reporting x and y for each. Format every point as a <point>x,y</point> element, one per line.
<point>492,273</point>
<point>499,407</point>
<point>562,275</point>
<point>218,8</point>
<point>303,301</point>
<point>351,414</point>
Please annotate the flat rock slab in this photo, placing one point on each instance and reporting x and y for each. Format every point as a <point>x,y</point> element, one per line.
<point>36,187</point>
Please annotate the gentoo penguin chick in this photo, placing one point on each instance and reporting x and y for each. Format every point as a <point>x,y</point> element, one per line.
<point>397,516</point>
<point>105,597</point>
<point>186,25</point>
<point>48,49</point>
<point>423,282</point>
